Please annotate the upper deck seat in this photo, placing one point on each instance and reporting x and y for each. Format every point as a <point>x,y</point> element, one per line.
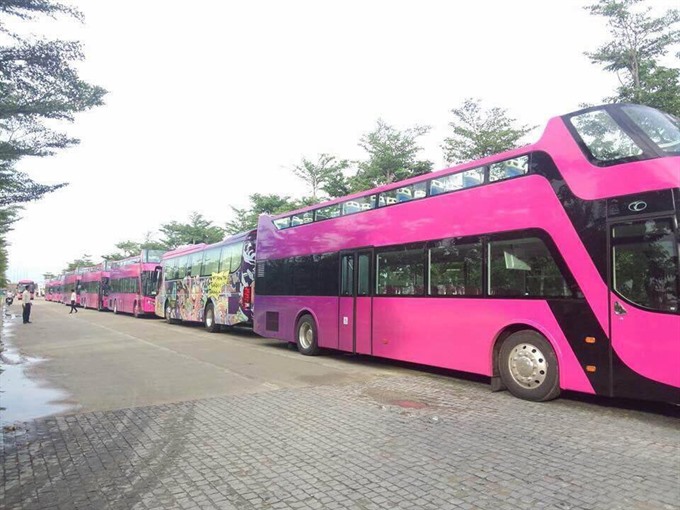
<point>404,195</point>
<point>437,187</point>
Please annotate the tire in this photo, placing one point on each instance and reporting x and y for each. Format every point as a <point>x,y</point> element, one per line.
<point>135,310</point>
<point>209,320</point>
<point>306,336</point>
<point>115,306</point>
<point>168,312</point>
<point>528,366</point>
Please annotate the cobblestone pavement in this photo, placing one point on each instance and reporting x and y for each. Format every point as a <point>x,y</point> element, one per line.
<point>423,441</point>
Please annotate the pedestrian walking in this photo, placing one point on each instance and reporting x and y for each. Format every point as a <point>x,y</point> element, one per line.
<point>73,301</point>
<point>26,305</point>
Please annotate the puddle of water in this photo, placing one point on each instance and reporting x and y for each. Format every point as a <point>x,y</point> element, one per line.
<point>22,398</point>
<point>409,404</point>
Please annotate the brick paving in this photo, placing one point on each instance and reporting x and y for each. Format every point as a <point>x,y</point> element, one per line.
<point>396,442</point>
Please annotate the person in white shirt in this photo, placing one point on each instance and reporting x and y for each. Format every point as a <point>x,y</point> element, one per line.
<point>26,305</point>
<point>73,301</point>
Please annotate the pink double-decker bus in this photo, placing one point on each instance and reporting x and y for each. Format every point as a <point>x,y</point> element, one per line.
<point>21,286</point>
<point>54,289</point>
<point>70,282</point>
<point>94,287</point>
<point>133,283</point>
<point>550,267</point>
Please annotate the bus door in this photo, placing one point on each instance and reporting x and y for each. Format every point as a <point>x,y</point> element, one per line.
<point>644,299</point>
<point>355,303</point>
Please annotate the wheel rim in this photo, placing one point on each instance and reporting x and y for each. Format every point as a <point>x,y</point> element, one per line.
<point>209,319</point>
<point>306,335</point>
<point>527,365</point>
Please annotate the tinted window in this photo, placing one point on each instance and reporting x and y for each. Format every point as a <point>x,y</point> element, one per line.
<point>401,272</point>
<point>645,262</point>
<point>403,194</point>
<point>358,204</point>
<point>524,267</point>
<point>332,211</point>
<point>282,223</point>
<point>364,274</point>
<point>347,275</point>
<point>211,262</point>
<point>456,270</point>
<point>196,263</point>
<point>661,128</point>
<point>460,180</point>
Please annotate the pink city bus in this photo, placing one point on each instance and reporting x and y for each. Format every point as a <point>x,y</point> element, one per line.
<point>71,282</point>
<point>94,287</point>
<point>550,267</point>
<point>21,286</point>
<point>133,283</point>
<point>54,289</point>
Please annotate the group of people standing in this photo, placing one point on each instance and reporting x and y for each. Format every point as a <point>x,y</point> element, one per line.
<point>26,304</point>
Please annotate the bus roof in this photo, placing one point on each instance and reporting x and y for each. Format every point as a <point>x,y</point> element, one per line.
<point>193,248</point>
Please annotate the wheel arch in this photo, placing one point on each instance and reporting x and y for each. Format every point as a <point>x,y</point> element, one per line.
<point>300,314</point>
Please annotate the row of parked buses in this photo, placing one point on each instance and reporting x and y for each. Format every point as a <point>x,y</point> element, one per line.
<point>546,268</point>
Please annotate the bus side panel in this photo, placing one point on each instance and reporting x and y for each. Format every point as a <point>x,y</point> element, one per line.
<point>287,309</point>
<point>459,333</point>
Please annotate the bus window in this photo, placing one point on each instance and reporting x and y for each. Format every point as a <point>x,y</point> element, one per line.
<point>282,223</point>
<point>211,262</point>
<point>456,270</point>
<point>332,211</point>
<point>645,263</point>
<point>661,128</point>
<point>603,137</point>
<point>401,272</point>
<point>524,267</point>
<point>196,262</point>
<point>509,168</point>
<point>403,194</point>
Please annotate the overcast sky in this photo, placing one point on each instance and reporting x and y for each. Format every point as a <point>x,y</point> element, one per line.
<point>212,101</point>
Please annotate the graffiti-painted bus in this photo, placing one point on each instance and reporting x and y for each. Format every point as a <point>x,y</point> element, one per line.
<point>94,287</point>
<point>550,267</point>
<point>133,283</point>
<point>212,284</point>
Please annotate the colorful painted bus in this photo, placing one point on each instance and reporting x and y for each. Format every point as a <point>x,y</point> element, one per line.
<point>21,286</point>
<point>211,284</point>
<point>133,283</point>
<point>94,287</point>
<point>550,267</point>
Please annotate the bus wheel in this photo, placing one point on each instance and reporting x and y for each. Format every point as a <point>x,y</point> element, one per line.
<point>115,306</point>
<point>307,338</point>
<point>210,323</point>
<point>528,366</point>
<point>168,313</point>
<point>135,310</point>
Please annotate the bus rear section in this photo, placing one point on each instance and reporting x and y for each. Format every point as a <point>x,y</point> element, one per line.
<point>543,268</point>
<point>133,283</point>
<point>210,284</point>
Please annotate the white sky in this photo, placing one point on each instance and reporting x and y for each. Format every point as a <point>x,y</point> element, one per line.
<point>210,102</point>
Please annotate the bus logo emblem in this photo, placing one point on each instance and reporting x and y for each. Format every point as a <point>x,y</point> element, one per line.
<point>638,206</point>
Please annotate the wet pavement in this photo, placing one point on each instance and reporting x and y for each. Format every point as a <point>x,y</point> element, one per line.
<point>22,397</point>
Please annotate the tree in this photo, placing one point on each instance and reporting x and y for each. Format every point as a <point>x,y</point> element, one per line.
<point>638,40</point>
<point>84,261</point>
<point>478,133</point>
<point>198,230</point>
<point>246,218</point>
<point>38,84</point>
<point>131,248</point>
<point>318,176</point>
<point>391,156</point>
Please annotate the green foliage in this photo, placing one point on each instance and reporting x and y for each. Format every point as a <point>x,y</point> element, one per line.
<point>637,41</point>
<point>38,82</point>
<point>478,133</point>
<point>131,248</point>
<point>391,157</point>
<point>84,261</point>
<point>246,218</point>
<point>198,230</point>
<point>324,174</point>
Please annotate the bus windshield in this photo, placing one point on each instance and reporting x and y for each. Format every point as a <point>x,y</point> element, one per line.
<point>149,283</point>
<point>661,128</point>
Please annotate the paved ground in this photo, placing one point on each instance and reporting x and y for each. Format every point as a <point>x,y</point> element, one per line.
<point>321,433</point>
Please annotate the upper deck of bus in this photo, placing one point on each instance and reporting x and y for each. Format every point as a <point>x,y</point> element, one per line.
<point>147,260</point>
<point>194,248</point>
<point>582,145</point>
